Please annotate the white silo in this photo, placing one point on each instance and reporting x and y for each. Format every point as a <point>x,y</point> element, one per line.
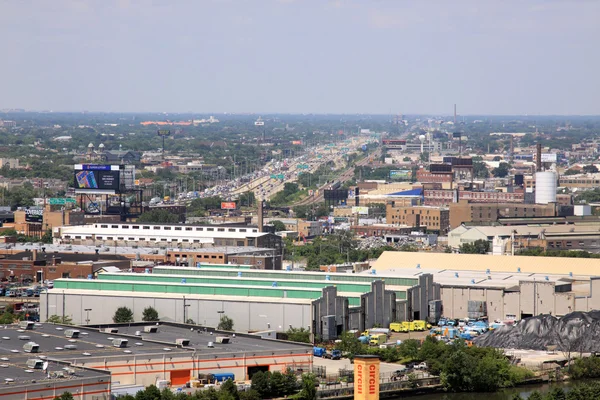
<point>545,187</point>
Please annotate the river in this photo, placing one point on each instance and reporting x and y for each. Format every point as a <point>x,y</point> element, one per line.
<point>505,394</point>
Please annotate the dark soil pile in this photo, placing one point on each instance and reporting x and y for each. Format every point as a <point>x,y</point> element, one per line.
<point>575,332</point>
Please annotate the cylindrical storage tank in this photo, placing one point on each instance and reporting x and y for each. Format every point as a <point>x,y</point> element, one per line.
<point>545,187</point>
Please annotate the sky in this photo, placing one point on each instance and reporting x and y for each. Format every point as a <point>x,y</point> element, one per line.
<point>302,56</point>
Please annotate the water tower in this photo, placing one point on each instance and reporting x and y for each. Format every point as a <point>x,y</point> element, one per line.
<point>422,139</point>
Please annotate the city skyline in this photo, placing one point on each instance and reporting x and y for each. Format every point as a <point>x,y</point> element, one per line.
<point>286,56</point>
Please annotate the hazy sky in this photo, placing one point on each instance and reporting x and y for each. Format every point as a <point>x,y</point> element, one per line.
<point>300,56</point>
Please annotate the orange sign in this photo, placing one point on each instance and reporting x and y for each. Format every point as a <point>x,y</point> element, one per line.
<point>366,378</point>
<point>228,205</point>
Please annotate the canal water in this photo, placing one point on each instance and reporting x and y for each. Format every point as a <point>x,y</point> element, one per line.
<point>505,394</point>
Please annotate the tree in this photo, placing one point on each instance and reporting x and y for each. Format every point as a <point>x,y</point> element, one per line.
<point>502,170</point>
<point>260,383</point>
<point>150,314</point>
<point>480,170</point>
<point>55,319</point>
<point>225,324</point>
<point>230,388</point>
<point>309,387</point>
<point>47,236</point>
<point>123,315</point>
<point>479,246</point>
<point>247,198</point>
<point>159,217</point>
<point>349,344</point>
<point>277,384</point>
<point>535,395</point>
<point>557,394</point>
<point>150,393</point>
<point>64,396</point>
<point>278,225</point>
<point>590,169</point>
<point>409,349</point>
<point>298,335</point>
<point>250,395</point>
<point>7,318</point>
<point>291,383</point>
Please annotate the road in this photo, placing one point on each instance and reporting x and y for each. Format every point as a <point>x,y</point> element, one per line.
<point>347,175</point>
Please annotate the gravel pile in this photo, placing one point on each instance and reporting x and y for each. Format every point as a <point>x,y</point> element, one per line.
<point>575,332</point>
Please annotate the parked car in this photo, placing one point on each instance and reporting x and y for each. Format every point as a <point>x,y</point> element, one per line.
<point>421,366</point>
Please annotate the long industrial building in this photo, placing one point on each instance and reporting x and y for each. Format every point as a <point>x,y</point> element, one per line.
<point>42,361</point>
<point>400,286</point>
<point>256,300</point>
<point>499,287</point>
<point>164,235</point>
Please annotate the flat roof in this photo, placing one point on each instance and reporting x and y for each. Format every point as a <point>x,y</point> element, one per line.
<point>206,232</point>
<point>193,296</point>
<point>109,251</point>
<point>560,266</point>
<point>51,338</point>
<point>200,337</point>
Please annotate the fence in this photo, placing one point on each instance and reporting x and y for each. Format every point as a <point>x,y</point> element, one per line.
<point>335,386</point>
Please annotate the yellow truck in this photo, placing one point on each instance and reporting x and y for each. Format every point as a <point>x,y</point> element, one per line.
<point>399,326</point>
<point>377,340</point>
<point>419,326</point>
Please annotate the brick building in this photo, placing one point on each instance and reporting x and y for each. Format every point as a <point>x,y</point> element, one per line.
<point>445,197</point>
<point>483,213</point>
<point>434,218</point>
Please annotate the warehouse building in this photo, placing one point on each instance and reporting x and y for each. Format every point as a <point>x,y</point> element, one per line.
<point>256,300</point>
<point>498,287</point>
<point>93,362</point>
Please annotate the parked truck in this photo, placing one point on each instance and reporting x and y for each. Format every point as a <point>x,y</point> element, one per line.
<point>378,339</point>
<point>419,325</point>
<point>333,355</point>
<point>399,326</point>
<point>319,351</point>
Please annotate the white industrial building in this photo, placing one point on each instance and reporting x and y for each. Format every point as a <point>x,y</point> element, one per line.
<point>159,235</point>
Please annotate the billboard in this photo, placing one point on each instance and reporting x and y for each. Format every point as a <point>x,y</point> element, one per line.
<point>228,205</point>
<point>549,157</point>
<point>400,174</point>
<point>95,178</point>
<point>34,214</point>
<point>360,210</point>
<point>164,132</point>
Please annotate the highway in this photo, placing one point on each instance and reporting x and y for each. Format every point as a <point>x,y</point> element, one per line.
<point>347,175</point>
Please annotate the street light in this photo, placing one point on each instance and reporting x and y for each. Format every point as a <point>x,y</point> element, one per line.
<point>87,317</point>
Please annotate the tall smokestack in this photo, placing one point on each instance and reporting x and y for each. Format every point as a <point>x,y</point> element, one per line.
<point>260,216</point>
<point>454,114</point>
<point>538,155</point>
